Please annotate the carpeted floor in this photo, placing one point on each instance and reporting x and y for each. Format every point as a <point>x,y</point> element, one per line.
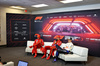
<point>18,53</point>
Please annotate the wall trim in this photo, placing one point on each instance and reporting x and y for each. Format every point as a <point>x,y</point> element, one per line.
<point>68,9</point>
<point>3,45</point>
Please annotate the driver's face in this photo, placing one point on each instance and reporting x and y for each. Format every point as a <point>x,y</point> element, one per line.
<point>58,38</point>
<point>69,40</point>
<point>38,38</point>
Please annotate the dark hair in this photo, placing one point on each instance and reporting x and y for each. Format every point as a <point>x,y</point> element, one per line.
<point>70,38</point>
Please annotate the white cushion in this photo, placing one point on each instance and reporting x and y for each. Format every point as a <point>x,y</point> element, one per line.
<point>48,43</point>
<point>72,57</point>
<point>30,43</point>
<point>82,51</point>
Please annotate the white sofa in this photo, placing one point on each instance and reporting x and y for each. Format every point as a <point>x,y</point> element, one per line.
<point>9,64</point>
<point>79,53</point>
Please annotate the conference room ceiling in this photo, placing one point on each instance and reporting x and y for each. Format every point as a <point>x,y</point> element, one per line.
<point>52,4</point>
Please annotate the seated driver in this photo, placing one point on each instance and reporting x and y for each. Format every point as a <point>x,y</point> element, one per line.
<point>52,48</point>
<point>66,50</point>
<point>38,43</point>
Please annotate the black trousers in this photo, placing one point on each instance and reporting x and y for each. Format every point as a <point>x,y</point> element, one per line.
<point>60,50</point>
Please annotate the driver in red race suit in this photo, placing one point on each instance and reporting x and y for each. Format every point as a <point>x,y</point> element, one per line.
<point>52,48</point>
<point>38,43</point>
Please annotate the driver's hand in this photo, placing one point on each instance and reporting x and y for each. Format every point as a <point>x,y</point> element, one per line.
<point>55,42</point>
<point>63,47</point>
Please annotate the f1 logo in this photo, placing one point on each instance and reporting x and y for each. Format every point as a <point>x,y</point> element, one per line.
<point>39,18</point>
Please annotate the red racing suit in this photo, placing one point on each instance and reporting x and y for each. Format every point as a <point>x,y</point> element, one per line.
<point>38,43</point>
<point>52,48</point>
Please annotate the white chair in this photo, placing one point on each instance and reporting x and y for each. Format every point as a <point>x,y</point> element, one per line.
<point>9,64</point>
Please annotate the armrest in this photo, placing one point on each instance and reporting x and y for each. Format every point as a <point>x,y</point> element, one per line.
<point>9,64</point>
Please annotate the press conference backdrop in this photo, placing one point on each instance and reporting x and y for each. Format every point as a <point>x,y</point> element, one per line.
<point>82,26</point>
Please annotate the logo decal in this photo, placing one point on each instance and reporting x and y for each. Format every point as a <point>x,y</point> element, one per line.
<point>39,18</point>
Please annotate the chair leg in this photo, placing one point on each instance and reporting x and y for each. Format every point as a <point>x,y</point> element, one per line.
<point>65,62</point>
<point>27,53</point>
<point>84,63</point>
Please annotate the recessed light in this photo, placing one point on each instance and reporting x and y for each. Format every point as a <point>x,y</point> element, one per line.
<point>69,1</point>
<point>39,5</point>
<point>17,7</point>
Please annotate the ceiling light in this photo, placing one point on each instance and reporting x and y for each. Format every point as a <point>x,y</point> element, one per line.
<point>17,7</point>
<point>69,1</point>
<point>39,5</point>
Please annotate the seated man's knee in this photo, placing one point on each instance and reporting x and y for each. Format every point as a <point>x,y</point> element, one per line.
<point>35,46</point>
<point>51,48</point>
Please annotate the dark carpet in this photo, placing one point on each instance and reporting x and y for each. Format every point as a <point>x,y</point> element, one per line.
<point>18,53</point>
